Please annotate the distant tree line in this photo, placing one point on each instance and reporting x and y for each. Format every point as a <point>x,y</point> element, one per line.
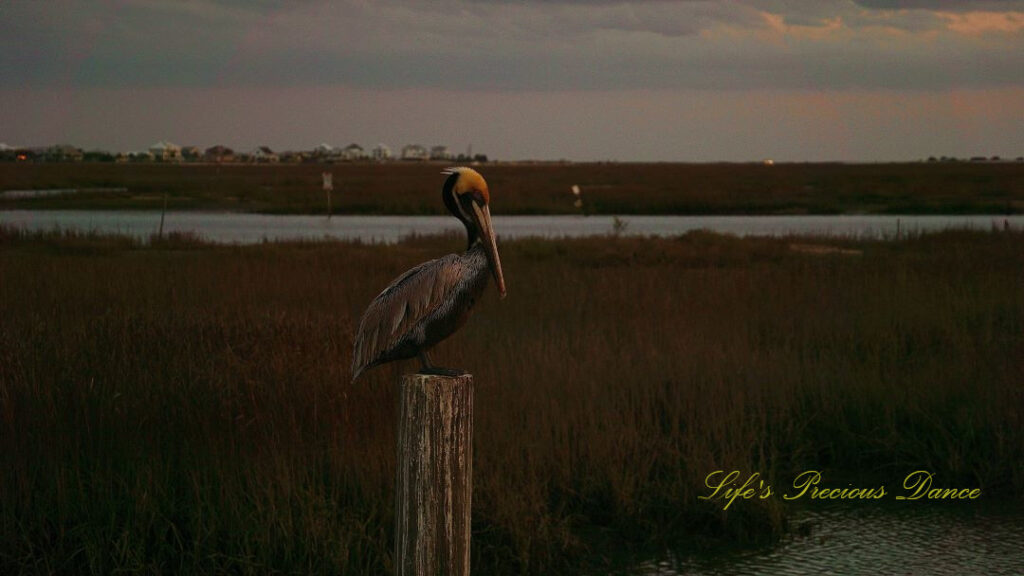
<point>932,159</point>
<point>165,152</point>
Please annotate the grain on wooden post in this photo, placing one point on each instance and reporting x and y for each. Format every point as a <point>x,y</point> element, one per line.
<point>434,482</point>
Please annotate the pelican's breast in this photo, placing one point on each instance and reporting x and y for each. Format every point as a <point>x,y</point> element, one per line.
<point>472,273</point>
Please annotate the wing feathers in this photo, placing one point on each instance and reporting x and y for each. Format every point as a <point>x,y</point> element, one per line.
<point>395,313</point>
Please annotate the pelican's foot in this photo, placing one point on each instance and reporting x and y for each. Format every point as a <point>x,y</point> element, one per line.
<point>431,370</point>
<point>438,371</point>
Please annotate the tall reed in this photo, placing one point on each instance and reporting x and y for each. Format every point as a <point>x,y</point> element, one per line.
<point>185,408</point>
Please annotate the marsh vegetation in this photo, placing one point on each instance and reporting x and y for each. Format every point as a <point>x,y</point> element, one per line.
<point>613,188</point>
<point>180,407</point>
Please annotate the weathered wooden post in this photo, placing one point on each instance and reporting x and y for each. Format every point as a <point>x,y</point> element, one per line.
<point>434,485</point>
<point>160,233</point>
<point>328,179</point>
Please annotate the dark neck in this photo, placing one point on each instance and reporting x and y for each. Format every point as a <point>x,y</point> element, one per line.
<point>471,236</point>
<point>451,202</point>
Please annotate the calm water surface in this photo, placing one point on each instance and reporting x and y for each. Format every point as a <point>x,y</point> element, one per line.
<point>251,228</point>
<point>982,539</point>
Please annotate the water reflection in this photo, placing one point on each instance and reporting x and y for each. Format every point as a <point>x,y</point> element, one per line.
<point>252,228</point>
<point>933,540</point>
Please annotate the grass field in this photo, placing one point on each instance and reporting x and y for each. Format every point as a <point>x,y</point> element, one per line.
<point>414,188</point>
<point>184,408</point>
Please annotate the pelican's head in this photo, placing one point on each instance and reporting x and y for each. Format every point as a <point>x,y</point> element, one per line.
<point>466,197</point>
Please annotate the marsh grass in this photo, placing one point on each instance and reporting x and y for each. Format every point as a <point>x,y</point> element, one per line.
<point>612,188</point>
<point>177,407</point>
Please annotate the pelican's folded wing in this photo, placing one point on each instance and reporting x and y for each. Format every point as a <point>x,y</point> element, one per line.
<point>394,313</point>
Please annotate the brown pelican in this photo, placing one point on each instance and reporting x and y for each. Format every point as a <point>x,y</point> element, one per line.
<point>431,301</point>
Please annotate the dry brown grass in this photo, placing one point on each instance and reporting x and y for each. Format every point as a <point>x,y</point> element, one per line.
<point>413,188</point>
<point>185,408</point>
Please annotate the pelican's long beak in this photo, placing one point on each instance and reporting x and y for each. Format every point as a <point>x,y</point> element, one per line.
<point>482,215</point>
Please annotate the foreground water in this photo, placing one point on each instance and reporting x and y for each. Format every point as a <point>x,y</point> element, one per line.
<point>938,540</point>
<point>252,228</point>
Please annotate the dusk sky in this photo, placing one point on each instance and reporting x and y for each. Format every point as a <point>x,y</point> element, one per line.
<point>868,80</point>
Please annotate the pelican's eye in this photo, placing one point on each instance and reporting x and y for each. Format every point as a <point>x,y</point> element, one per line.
<point>478,197</point>
<point>467,199</point>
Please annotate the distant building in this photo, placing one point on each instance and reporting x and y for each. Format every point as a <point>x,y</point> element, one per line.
<point>414,152</point>
<point>263,155</point>
<point>63,153</point>
<point>164,151</point>
<point>381,152</point>
<point>191,153</point>
<point>219,154</point>
<point>440,153</point>
<point>353,152</point>
<point>324,152</point>
<point>141,156</point>
<point>292,157</point>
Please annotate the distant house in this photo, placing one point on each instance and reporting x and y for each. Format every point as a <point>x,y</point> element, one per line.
<point>353,152</point>
<point>381,152</point>
<point>292,157</point>
<point>164,151</point>
<point>414,152</point>
<point>191,153</point>
<point>219,154</point>
<point>440,153</point>
<point>63,153</point>
<point>324,152</point>
<point>263,155</point>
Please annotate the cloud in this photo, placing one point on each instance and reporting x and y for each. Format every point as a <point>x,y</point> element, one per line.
<point>524,46</point>
<point>982,23</point>
<point>944,5</point>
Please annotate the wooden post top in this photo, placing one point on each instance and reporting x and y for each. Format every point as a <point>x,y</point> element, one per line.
<point>425,378</point>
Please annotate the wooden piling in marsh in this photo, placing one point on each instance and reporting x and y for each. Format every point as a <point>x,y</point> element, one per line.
<point>434,484</point>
